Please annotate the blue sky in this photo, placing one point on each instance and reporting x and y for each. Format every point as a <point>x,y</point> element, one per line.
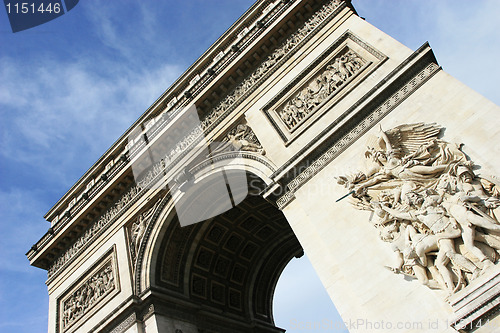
<point>71,87</point>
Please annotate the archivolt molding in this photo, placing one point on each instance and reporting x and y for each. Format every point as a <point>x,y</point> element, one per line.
<point>221,261</point>
<point>239,149</point>
<point>252,162</point>
<point>137,231</point>
<point>113,213</point>
<point>244,161</point>
<point>353,134</point>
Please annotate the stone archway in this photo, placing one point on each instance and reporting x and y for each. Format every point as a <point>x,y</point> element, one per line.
<point>218,275</point>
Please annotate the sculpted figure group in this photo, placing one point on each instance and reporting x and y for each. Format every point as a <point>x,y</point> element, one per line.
<point>321,87</point>
<point>87,295</point>
<point>439,216</point>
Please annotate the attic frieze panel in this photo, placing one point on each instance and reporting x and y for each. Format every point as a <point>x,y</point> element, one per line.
<point>323,83</point>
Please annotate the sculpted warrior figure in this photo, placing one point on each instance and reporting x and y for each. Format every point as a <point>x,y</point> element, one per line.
<point>469,204</point>
<point>401,244</point>
<point>320,88</point>
<point>137,231</point>
<point>439,217</point>
<point>389,164</point>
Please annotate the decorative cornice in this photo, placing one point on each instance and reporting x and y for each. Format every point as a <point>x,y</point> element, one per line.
<point>96,228</point>
<point>251,26</point>
<point>268,67</point>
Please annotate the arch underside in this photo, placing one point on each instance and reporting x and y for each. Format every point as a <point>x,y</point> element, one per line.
<point>222,272</point>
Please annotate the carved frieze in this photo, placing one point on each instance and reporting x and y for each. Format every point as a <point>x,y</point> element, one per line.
<point>318,90</point>
<point>90,292</point>
<point>440,218</point>
<point>96,227</point>
<point>249,84</point>
<point>321,85</point>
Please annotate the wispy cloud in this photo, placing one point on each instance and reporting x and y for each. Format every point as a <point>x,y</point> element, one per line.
<point>21,225</point>
<point>55,110</point>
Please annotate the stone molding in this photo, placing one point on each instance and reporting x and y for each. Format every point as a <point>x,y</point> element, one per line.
<point>245,36</point>
<point>91,291</point>
<point>157,209</point>
<point>280,55</point>
<point>136,232</point>
<point>356,132</point>
<point>126,324</point>
<point>95,229</point>
<point>242,41</point>
<point>474,304</point>
<point>229,51</point>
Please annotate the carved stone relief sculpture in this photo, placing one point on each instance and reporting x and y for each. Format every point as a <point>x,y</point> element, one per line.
<point>240,138</point>
<point>321,87</point>
<point>440,218</point>
<point>194,135</point>
<point>100,283</point>
<point>137,231</point>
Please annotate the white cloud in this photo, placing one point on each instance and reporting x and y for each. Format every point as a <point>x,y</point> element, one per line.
<point>57,111</point>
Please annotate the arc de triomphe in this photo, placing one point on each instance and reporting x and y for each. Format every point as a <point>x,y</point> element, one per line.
<point>301,129</point>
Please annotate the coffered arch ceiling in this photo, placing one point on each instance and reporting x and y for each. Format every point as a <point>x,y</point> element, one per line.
<point>229,264</point>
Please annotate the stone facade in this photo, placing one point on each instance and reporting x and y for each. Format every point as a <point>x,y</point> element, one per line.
<point>292,107</point>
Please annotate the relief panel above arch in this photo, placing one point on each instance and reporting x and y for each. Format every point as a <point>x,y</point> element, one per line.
<point>90,293</point>
<point>324,82</point>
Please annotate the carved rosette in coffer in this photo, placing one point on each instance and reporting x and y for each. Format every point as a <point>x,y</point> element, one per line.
<point>91,291</point>
<point>321,85</point>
